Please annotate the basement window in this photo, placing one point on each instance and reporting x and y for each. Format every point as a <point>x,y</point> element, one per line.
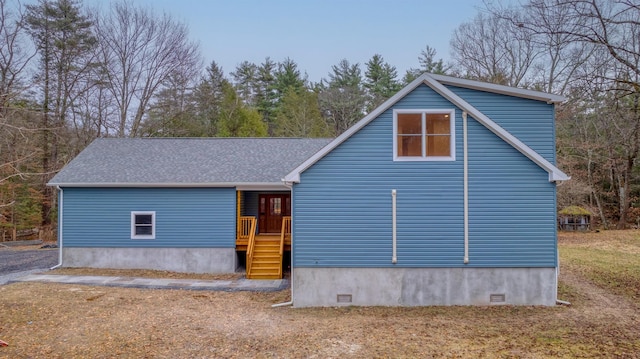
<point>143,225</point>
<point>423,135</point>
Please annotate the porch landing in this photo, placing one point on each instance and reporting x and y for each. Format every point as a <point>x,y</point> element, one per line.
<point>241,243</point>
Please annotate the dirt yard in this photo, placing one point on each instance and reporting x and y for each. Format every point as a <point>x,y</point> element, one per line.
<point>69,321</point>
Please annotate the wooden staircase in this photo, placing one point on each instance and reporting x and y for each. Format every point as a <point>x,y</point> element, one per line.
<point>267,261</point>
<point>264,253</point>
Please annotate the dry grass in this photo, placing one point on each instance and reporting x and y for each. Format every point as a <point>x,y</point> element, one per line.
<point>29,247</point>
<point>143,273</point>
<point>69,321</point>
<point>627,241</point>
<point>611,259</point>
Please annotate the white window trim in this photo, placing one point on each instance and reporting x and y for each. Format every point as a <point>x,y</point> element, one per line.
<point>424,112</point>
<point>133,225</point>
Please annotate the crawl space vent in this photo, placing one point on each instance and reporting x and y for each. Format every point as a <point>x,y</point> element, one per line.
<point>497,298</point>
<point>344,298</point>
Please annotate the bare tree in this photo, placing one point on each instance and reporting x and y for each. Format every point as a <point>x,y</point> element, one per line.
<point>490,49</point>
<point>64,41</point>
<point>139,51</point>
<point>19,154</point>
<point>14,56</point>
<point>561,58</point>
<point>610,145</point>
<point>607,75</point>
<point>588,50</point>
<point>583,127</point>
<point>92,112</point>
<point>569,32</point>
<point>613,25</point>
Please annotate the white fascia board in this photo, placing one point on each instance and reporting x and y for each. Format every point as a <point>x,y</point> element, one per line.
<point>499,89</point>
<point>294,176</point>
<point>248,185</point>
<point>555,174</point>
<point>558,176</point>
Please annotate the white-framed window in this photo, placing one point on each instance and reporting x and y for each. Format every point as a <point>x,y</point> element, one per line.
<point>143,225</point>
<point>424,135</point>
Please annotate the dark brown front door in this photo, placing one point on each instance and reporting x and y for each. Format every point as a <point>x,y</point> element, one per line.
<point>272,208</point>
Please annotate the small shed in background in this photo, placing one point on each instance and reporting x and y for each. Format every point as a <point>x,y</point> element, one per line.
<point>574,218</point>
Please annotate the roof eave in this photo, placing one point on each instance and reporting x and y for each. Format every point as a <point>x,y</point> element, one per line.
<point>500,89</point>
<point>239,185</point>
<point>558,176</point>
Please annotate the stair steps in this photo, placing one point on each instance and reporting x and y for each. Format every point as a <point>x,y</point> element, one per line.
<point>267,262</point>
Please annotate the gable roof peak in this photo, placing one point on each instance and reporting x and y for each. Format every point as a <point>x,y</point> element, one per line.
<point>437,83</point>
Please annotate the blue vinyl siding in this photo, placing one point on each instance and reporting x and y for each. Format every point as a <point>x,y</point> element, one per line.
<point>185,217</point>
<point>342,206</point>
<point>511,205</point>
<point>251,204</point>
<point>531,121</point>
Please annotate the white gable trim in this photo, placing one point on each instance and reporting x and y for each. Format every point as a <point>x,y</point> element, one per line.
<point>294,176</point>
<point>499,89</point>
<point>555,174</point>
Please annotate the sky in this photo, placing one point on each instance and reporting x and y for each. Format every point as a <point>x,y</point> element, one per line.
<point>317,34</point>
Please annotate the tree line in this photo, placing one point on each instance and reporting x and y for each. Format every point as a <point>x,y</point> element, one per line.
<point>70,74</point>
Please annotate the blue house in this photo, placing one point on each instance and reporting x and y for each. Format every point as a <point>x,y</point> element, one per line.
<point>443,195</point>
<point>183,205</point>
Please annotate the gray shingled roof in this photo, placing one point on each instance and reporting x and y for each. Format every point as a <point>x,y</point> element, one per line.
<point>182,161</point>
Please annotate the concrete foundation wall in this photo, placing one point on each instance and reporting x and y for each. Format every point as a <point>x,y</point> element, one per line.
<point>423,286</point>
<point>188,260</point>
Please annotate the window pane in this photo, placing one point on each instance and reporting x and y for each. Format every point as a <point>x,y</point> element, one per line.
<point>439,145</point>
<point>143,219</point>
<point>438,124</point>
<point>409,145</point>
<point>275,206</point>
<point>410,123</point>
<point>144,230</point>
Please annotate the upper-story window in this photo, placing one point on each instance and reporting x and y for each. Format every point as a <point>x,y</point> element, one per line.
<point>424,135</point>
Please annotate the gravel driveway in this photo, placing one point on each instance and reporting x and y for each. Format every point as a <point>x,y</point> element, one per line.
<point>16,263</point>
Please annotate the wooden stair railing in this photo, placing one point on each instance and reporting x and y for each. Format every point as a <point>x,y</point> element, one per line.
<point>285,233</point>
<point>245,224</point>
<point>249,223</point>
